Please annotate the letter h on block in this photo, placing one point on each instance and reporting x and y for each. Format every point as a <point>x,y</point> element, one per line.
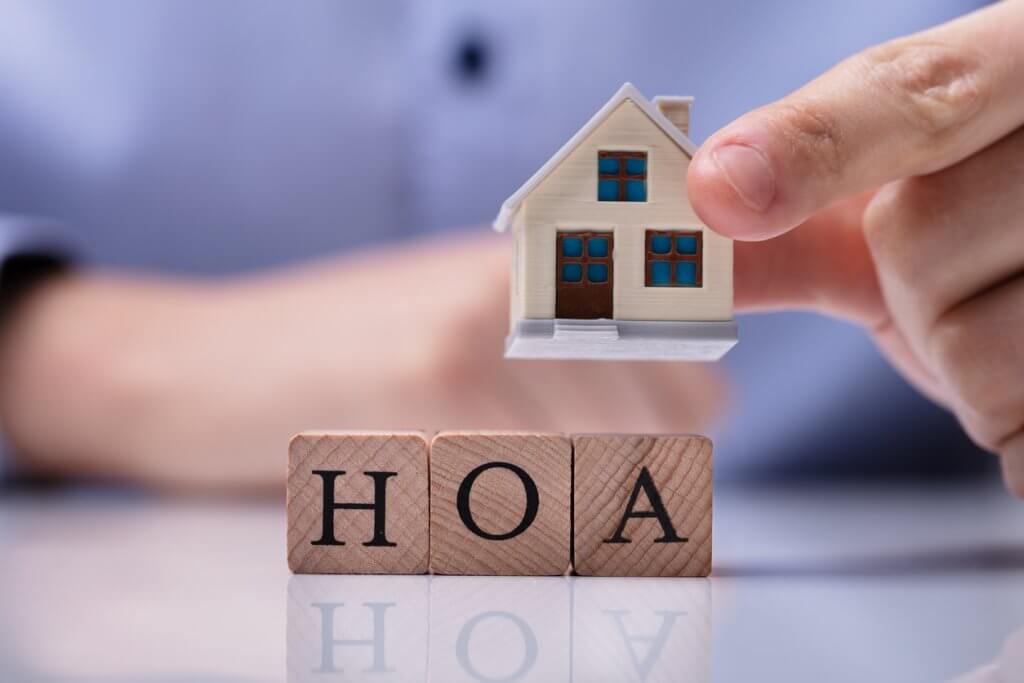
<point>358,503</point>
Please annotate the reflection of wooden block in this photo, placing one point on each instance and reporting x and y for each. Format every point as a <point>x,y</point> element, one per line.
<point>358,503</point>
<point>347,628</point>
<point>644,629</point>
<point>642,505</point>
<point>486,628</point>
<point>499,503</point>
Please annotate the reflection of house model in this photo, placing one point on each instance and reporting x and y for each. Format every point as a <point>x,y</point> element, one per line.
<point>611,262</point>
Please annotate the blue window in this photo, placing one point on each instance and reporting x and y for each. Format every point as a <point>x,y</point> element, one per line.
<point>661,244</point>
<point>674,258</point>
<point>686,273</point>
<point>621,176</point>
<point>608,190</point>
<point>686,244</point>
<point>597,272</point>
<point>636,166</point>
<point>597,246</point>
<point>584,259</point>
<point>661,273</point>
<point>636,190</point>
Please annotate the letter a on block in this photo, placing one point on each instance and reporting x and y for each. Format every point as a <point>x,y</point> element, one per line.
<point>642,505</point>
<point>358,503</point>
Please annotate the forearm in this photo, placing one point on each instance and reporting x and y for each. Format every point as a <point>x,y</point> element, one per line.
<point>75,380</point>
<point>58,359</point>
<point>181,383</point>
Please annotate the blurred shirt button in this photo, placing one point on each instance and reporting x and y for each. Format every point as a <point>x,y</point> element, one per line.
<point>472,59</point>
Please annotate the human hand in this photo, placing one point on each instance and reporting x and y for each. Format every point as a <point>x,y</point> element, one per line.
<point>200,385</point>
<point>889,191</point>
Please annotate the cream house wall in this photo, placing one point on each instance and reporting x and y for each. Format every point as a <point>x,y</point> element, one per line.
<point>567,200</point>
<point>516,286</point>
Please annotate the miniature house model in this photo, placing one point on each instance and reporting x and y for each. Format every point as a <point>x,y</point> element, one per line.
<point>610,260</point>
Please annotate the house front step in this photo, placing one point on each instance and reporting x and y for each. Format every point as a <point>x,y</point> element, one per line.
<point>596,332</point>
<point>621,339</point>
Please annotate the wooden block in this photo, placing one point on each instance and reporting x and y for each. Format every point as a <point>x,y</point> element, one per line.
<point>642,505</point>
<point>358,503</point>
<point>499,503</point>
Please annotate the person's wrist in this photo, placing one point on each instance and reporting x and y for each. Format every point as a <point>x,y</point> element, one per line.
<point>32,251</point>
<point>32,368</point>
<point>67,394</point>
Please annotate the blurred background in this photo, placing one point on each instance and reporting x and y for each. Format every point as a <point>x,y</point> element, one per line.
<point>279,219</point>
<point>199,139</point>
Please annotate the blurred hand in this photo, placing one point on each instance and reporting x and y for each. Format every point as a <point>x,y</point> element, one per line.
<point>890,191</point>
<point>178,384</point>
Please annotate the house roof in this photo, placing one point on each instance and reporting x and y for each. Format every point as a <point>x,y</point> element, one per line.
<point>627,92</point>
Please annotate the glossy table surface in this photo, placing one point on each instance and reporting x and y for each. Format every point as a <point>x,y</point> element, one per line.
<point>810,584</point>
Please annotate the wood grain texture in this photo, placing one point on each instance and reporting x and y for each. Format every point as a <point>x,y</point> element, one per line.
<point>606,471</point>
<point>406,502</point>
<point>567,200</point>
<point>497,501</point>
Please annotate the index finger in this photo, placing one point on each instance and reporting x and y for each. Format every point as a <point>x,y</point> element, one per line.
<point>909,107</point>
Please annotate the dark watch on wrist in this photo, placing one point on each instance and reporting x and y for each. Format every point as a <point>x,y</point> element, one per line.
<point>30,253</point>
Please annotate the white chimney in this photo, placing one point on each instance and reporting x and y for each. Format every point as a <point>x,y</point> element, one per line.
<point>676,109</point>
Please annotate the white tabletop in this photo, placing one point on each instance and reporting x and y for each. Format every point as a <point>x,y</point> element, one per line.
<point>812,584</point>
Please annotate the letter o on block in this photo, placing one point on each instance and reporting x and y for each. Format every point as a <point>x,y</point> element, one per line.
<point>529,511</point>
<point>499,503</point>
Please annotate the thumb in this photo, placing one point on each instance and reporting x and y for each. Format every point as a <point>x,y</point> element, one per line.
<point>909,107</point>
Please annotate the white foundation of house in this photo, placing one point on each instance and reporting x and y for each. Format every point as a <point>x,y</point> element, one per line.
<point>658,340</point>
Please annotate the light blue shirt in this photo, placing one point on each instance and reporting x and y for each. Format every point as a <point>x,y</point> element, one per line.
<point>224,136</point>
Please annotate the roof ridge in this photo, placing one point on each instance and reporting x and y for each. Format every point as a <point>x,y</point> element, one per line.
<point>627,91</point>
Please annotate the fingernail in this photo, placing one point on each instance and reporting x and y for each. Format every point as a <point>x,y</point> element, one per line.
<point>749,173</point>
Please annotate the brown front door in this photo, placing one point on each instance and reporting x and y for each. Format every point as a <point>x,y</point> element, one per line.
<point>584,275</point>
